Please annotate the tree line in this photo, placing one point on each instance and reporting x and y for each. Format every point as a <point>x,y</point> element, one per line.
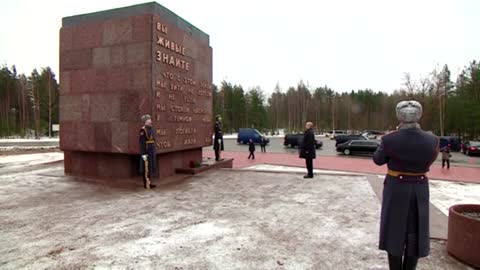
<point>449,107</point>
<point>28,104</point>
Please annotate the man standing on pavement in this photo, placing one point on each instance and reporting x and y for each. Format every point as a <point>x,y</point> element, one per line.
<point>263,144</point>
<point>446,155</point>
<point>148,162</point>
<point>404,223</point>
<point>308,149</point>
<point>218,137</point>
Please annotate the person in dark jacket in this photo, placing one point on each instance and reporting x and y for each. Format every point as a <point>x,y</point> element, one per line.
<point>218,137</point>
<point>307,150</point>
<point>251,148</point>
<point>148,161</point>
<point>263,143</point>
<point>404,223</point>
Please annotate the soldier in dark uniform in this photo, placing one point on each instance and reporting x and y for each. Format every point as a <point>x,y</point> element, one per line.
<point>148,162</point>
<point>307,150</point>
<point>218,138</point>
<point>408,153</point>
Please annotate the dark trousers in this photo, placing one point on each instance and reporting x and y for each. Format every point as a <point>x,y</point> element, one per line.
<point>252,154</point>
<point>217,154</point>
<point>309,163</point>
<point>448,163</point>
<point>263,148</point>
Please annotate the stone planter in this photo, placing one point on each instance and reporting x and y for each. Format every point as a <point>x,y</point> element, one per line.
<point>464,233</point>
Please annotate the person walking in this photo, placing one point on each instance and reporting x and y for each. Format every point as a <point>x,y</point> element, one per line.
<point>148,161</point>
<point>307,150</point>
<point>446,155</point>
<point>404,223</point>
<point>251,148</point>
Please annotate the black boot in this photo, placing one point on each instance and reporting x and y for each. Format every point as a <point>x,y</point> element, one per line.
<point>394,262</point>
<point>410,263</point>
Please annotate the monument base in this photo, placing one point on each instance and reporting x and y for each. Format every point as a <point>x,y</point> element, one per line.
<point>109,165</point>
<point>206,165</point>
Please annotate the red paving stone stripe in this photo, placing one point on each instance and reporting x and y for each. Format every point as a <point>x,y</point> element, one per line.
<point>456,173</point>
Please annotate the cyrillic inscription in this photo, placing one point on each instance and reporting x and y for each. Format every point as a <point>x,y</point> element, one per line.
<point>162,28</point>
<point>171,45</point>
<point>164,144</point>
<point>199,111</point>
<point>161,131</point>
<point>161,107</point>
<point>185,131</point>
<point>179,109</point>
<point>172,61</point>
<point>189,141</point>
<point>180,118</point>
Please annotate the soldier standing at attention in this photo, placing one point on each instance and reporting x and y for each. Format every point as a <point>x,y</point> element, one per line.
<point>148,162</point>
<point>408,153</point>
<point>218,137</point>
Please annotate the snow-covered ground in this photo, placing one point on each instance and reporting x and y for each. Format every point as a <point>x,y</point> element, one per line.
<point>215,220</point>
<point>30,159</point>
<point>44,139</point>
<point>443,194</point>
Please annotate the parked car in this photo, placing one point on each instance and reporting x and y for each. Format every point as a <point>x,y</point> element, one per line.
<point>294,140</point>
<point>372,134</point>
<point>341,138</point>
<point>245,134</point>
<point>358,147</point>
<point>333,133</point>
<point>471,148</point>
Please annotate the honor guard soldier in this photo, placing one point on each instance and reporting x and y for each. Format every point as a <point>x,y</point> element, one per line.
<point>408,153</point>
<point>218,137</point>
<point>148,161</point>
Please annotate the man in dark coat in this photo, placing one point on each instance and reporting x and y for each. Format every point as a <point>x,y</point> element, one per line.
<point>408,153</point>
<point>307,150</point>
<point>263,144</point>
<point>251,149</point>
<point>148,162</point>
<point>218,137</point>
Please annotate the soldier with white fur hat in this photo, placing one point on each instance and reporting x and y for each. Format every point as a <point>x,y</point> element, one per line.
<point>408,153</point>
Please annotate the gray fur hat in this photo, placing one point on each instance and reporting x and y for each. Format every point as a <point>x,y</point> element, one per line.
<point>409,111</point>
<point>145,117</point>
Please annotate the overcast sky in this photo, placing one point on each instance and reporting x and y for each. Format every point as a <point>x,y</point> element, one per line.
<point>343,44</point>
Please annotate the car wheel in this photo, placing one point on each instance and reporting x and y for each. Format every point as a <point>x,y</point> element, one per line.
<point>347,152</point>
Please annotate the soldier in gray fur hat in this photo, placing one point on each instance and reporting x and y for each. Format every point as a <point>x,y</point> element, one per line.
<point>408,153</point>
<point>148,162</point>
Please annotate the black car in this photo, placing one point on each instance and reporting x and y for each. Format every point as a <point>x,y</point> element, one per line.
<point>471,148</point>
<point>294,140</point>
<point>358,147</point>
<point>342,138</point>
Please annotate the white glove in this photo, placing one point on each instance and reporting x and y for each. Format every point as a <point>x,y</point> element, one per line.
<point>144,157</point>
